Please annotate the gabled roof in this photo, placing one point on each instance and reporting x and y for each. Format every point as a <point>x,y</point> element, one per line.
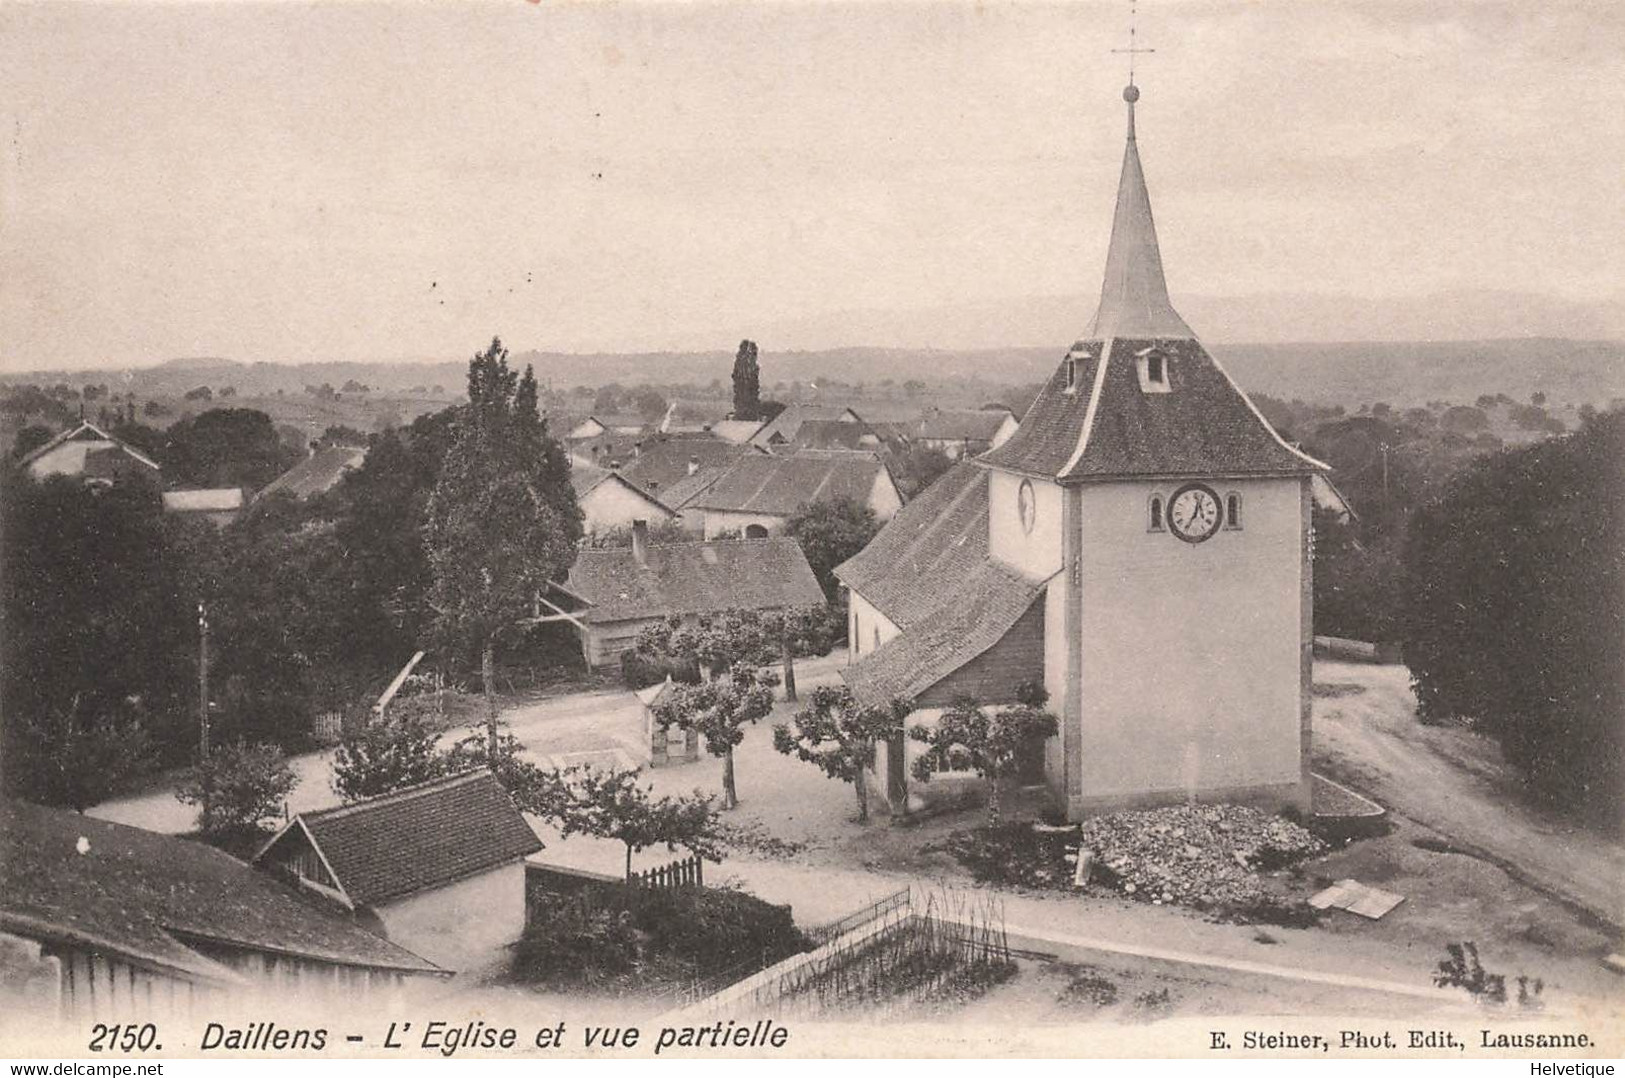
<point>662,460</point>
<point>141,895</point>
<point>781,485</point>
<point>422,837</point>
<point>835,434</point>
<point>781,429</point>
<point>926,551</point>
<point>318,473</point>
<point>85,432</point>
<point>963,424</point>
<point>214,500</point>
<point>693,578</point>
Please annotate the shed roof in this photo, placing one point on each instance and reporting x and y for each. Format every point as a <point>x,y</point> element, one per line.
<point>318,473</point>
<point>693,578</point>
<point>140,894</point>
<point>963,424</point>
<point>422,837</point>
<point>217,500</point>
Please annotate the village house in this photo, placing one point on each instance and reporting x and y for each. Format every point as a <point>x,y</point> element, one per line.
<point>611,595</point>
<point>736,430</point>
<point>437,868</point>
<point>318,473</point>
<point>836,434</point>
<point>781,429</point>
<point>759,494</point>
<point>103,922</point>
<point>218,506</point>
<point>965,432</point>
<point>609,500</point>
<point>595,427</point>
<point>1140,546</point>
<point>89,453</point>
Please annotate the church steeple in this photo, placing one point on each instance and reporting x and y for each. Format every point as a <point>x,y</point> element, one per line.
<point>1134,297</point>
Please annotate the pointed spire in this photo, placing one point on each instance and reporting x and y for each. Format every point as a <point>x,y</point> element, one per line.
<point>1134,298</point>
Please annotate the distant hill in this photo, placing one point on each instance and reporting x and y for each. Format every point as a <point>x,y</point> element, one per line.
<point>1352,373</point>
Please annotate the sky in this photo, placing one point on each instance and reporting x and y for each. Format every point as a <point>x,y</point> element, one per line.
<point>297,182</point>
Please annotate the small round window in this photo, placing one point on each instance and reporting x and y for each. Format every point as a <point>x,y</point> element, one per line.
<point>1027,505</point>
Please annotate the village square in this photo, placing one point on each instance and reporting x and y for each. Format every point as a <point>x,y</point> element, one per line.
<point>1131,692</point>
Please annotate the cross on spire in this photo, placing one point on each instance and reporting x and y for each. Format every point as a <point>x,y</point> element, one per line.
<point>1133,49</point>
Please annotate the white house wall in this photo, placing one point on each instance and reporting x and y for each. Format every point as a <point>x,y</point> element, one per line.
<point>1036,554</point>
<point>862,621</point>
<point>614,505</point>
<point>719,522</point>
<point>1191,653</point>
<point>884,497</point>
<point>464,924</point>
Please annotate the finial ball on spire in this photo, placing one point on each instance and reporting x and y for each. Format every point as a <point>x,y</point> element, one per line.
<point>1131,93</point>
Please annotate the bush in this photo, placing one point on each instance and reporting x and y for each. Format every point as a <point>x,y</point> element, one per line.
<point>237,789</point>
<point>569,941</point>
<point>640,669</point>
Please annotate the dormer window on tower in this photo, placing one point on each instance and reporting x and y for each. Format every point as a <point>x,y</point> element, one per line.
<point>1069,367</point>
<point>1152,366</point>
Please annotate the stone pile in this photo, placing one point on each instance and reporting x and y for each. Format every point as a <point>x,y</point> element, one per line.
<point>1207,856</point>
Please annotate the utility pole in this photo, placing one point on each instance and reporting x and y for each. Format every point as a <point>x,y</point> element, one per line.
<point>203,681</point>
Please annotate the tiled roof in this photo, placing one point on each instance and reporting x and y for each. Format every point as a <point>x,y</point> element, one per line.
<point>1204,425</point>
<point>662,460</point>
<point>317,473</point>
<point>781,485</point>
<point>686,489</point>
<point>966,620</point>
<point>140,894</point>
<point>693,578</point>
<point>835,434</point>
<point>422,837</point>
<point>929,573</point>
<point>962,424</point>
<point>926,551</point>
<point>85,432</point>
<point>787,422</point>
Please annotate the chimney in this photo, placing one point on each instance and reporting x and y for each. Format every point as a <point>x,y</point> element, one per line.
<point>693,465</point>
<point>640,543</point>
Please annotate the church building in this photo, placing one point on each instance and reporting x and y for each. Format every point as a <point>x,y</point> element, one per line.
<point>1140,546</point>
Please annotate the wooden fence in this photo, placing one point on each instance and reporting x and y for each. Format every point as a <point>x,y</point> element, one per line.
<point>689,872</point>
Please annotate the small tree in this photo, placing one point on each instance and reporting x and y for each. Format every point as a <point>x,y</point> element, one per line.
<point>835,734</point>
<point>237,788</point>
<point>719,711</point>
<point>612,804</point>
<point>387,755</point>
<point>989,743</point>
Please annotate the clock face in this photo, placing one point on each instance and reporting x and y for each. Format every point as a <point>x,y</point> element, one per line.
<point>1026,505</point>
<point>1193,512</point>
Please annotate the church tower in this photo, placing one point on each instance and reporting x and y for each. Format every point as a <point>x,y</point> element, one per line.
<point>1144,548</point>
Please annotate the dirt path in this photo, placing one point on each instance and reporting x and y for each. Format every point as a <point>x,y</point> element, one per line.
<point>1454,782</point>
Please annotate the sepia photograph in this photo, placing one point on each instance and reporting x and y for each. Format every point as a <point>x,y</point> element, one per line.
<point>798,529</point>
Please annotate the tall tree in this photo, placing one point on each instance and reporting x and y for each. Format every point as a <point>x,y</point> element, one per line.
<point>989,742</point>
<point>747,382</point>
<point>502,522</point>
<point>719,711</point>
<point>838,736</point>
